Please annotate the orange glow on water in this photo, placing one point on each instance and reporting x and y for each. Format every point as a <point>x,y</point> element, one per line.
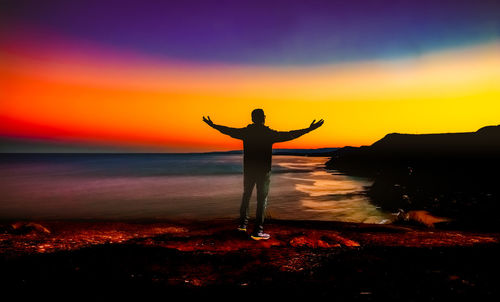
<point>137,101</point>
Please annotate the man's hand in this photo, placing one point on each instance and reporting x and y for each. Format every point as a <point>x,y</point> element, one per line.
<point>208,121</point>
<point>316,125</point>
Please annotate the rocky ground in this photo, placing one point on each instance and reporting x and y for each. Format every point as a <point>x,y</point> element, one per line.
<point>345,261</point>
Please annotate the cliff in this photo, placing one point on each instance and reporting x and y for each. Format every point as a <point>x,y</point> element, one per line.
<point>450,174</point>
<point>396,149</point>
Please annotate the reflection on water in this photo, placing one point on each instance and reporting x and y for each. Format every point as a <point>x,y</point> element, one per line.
<point>163,186</point>
<point>324,183</point>
<point>333,196</point>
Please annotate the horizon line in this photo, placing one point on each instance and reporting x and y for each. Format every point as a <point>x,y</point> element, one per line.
<point>180,153</point>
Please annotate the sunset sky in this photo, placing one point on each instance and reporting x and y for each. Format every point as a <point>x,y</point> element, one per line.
<point>131,75</point>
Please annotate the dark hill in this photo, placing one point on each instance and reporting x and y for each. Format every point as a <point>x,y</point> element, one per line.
<point>396,150</point>
<point>451,174</point>
<point>475,142</point>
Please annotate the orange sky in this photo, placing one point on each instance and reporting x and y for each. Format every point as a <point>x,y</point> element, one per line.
<point>135,101</point>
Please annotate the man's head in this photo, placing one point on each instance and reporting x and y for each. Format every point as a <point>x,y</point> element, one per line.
<point>258,116</point>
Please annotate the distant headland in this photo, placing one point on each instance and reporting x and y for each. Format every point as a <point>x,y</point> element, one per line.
<point>449,174</point>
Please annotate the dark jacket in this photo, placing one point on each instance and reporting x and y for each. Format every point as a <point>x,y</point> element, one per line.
<point>258,143</point>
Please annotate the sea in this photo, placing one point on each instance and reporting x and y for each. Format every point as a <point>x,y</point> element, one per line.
<point>137,186</point>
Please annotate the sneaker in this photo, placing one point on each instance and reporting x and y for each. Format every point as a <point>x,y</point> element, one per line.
<point>260,236</point>
<point>242,228</point>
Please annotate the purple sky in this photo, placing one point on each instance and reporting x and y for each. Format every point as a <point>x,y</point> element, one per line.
<point>265,32</point>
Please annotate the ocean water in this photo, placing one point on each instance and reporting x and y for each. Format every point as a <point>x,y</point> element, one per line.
<point>174,186</point>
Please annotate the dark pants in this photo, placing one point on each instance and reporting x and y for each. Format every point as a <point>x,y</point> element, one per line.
<point>262,180</point>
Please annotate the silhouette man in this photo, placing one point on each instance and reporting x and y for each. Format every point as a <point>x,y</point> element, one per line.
<point>258,140</point>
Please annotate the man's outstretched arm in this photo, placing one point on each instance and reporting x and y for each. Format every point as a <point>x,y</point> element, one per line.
<point>232,132</point>
<point>283,136</point>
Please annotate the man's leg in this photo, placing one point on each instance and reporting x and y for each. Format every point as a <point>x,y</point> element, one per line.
<point>263,182</point>
<point>248,184</point>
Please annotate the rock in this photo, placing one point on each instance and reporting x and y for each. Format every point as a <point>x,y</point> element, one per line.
<point>420,217</point>
<point>22,228</point>
<point>302,241</point>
